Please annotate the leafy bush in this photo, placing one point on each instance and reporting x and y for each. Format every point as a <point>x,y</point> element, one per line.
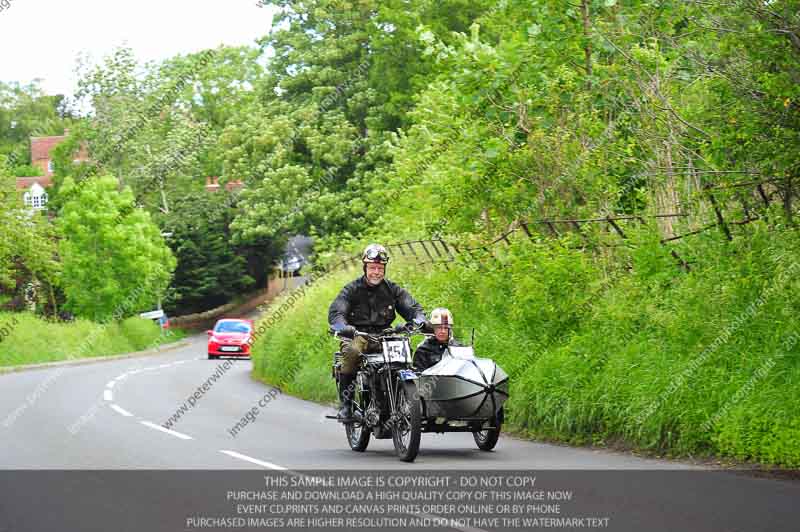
<point>101,225</point>
<point>675,362</point>
<point>33,340</point>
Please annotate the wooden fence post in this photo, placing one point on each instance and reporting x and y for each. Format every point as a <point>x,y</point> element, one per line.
<point>616,227</point>
<point>718,211</point>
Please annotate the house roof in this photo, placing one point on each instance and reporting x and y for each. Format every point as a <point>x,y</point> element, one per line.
<point>24,183</point>
<point>212,184</point>
<point>41,146</point>
<point>37,189</point>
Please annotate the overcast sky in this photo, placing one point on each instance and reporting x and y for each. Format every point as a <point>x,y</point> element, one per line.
<point>42,38</point>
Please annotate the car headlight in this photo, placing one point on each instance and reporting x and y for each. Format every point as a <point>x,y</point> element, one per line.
<point>214,339</point>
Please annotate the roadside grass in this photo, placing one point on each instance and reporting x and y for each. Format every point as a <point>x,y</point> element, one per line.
<point>295,353</point>
<point>632,350</point>
<point>33,340</point>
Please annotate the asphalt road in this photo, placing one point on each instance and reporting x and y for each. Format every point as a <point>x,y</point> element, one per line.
<point>110,416</point>
<point>101,416</point>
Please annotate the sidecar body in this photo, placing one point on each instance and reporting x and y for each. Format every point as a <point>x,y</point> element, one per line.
<point>462,390</point>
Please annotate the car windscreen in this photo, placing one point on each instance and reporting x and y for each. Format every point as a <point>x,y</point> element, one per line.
<point>232,327</point>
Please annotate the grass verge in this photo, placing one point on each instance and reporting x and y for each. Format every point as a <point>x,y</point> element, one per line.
<point>634,350</point>
<point>26,339</point>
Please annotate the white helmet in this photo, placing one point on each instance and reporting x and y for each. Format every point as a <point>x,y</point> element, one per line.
<point>441,316</point>
<point>375,253</point>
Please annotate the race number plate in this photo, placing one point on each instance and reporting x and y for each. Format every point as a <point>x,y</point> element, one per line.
<point>407,375</point>
<point>397,351</point>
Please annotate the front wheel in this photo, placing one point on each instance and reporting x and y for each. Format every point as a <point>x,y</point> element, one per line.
<point>487,439</point>
<point>358,432</point>
<point>407,428</point>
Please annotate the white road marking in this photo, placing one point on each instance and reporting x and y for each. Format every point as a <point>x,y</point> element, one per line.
<point>452,523</point>
<point>107,395</point>
<point>262,463</point>
<point>162,429</point>
<point>121,410</point>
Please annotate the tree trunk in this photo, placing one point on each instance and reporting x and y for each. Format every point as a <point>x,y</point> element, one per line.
<point>787,201</point>
<point>163,197</point>
<point>587,32</point>
<point>666,197</point>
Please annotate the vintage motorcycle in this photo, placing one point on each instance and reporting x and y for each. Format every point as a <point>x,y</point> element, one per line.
<point>384,395</point>
<point>391,400</point>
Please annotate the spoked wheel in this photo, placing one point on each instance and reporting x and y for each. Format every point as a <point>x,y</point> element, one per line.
<point>357,431</point>
<point>407,427</point>
<point>487,439</point>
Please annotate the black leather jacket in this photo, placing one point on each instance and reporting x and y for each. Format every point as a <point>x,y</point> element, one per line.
<point>430,352</point>
<point>372,308</point>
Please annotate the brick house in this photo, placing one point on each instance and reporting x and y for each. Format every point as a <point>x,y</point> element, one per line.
<point>212,184</point>
<point>33,188</point>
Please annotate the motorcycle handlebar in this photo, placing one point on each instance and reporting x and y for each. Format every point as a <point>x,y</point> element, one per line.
<point>400,330</point>
<point>403,329</point>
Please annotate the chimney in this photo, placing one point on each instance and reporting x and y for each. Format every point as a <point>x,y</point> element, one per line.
<point>212,183</point>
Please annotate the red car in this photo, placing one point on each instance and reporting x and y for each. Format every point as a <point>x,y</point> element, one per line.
<point>230,338</point>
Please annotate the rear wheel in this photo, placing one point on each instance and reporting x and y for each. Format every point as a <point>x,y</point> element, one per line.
<point>407,428</point>
<point>357,431</point>
<point>487,439</point>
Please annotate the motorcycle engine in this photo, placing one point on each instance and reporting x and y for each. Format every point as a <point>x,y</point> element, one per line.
<point>373,414</point>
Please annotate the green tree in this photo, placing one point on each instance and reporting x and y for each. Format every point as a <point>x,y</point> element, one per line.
<point>314,145</point>
<point>115,261</point>
<point>25,111</point>
<point>27,244</point>
<point>156,125</point>
<point>211,270</point>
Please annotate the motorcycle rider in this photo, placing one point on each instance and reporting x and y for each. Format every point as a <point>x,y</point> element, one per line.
<point>367,304</point>
<point>430,351</point>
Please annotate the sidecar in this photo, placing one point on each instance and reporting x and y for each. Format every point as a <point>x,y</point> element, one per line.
<point>463,393</point>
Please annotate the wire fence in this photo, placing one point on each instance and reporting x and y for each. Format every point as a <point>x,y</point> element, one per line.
<point>438,251</point>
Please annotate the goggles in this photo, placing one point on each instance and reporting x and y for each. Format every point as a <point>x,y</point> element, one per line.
<point>375,255</point>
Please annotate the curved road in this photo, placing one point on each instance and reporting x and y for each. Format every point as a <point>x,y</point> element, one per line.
<point>110,415</point>
<point>105,416</point>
